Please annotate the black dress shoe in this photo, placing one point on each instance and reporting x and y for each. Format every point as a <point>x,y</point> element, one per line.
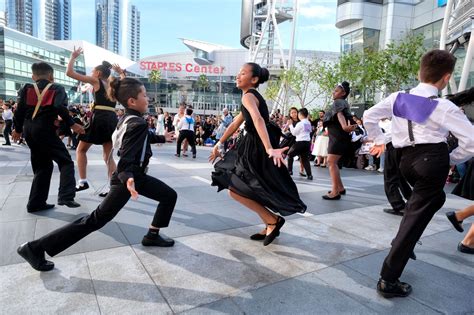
<point>393,289</point>
<point>302,174</point>
<point>157,241</point>
<point>82,186</point>
<point>37,261</point>
<point>342,192</point>
<point>393,211</point>
<point>260,237</point>
<point>326,197</point>
<point>465,249</point>
<point>46,206</point>
<point>452,218</point>
<point>69,203</point>
<point>412,255</point>
<point>103,194</point>
<point>271,237</point>
<point>310,177</point>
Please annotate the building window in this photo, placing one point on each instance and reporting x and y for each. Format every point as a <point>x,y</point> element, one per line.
<point>361,39</point>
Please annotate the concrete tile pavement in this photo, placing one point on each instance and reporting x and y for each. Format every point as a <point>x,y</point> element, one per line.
<point>326,261</point>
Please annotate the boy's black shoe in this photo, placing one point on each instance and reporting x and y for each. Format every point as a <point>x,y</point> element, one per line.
<point>36,261</point>
<point>82,186</point>
<point>69,203</point>
<point>310,177</point>
<point>393,289</point>
<point>393,211</point>
<point>46,206</point>
<point>157,240</point>
<point>103,194</point>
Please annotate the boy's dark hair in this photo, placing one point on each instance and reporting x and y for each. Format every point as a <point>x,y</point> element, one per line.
<point>189,111</point>
<point>42,69</point>
<point>435,64</point>
<point>122,90</point>
<point>303,111</point>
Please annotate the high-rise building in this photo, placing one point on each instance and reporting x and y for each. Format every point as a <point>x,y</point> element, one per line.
<point>2,19</point>
<point>44,19</point>
<point>118,27</point>
<point>134,29</point>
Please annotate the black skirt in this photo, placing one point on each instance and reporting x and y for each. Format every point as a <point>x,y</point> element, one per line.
<point>101,127</point>
<point>465,188</point>
<point>248,171</point>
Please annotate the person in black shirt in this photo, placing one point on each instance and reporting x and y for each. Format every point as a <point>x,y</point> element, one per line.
<point>39,105</point>
<point>127,181</point>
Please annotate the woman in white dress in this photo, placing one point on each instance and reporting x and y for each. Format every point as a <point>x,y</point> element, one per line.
<point>160,122</point>
<point>320,148</point>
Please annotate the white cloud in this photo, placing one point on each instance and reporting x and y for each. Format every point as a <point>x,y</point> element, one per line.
<point>316,11</point>
<point>318,27</point>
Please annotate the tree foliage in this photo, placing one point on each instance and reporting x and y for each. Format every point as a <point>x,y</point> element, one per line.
<point>155,77</point>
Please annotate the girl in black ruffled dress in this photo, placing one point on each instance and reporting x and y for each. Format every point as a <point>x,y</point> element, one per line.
<point>254,172</point>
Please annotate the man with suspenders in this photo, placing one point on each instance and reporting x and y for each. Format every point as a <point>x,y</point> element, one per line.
<point>39,104</point>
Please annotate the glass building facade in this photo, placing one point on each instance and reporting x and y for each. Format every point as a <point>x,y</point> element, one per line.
<point>359,40</point>
<point>19,51</point>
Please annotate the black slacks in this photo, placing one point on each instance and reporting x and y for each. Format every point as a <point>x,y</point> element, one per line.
<point>150,187</point>
<point>395,185</point>
<point>302,149</point>
<point>425,167</point>
<point>190,136</point>
<point>46,147</point>
<point>7,131</point>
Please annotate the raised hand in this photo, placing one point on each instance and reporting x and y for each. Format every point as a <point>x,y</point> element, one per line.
<point>277,156</point>
<point>76,52</point>
<point>131,188</point>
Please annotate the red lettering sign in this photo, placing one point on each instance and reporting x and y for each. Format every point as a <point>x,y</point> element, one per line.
<point>178,67</point>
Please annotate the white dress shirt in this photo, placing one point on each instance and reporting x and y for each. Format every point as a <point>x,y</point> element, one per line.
<point>446,118</point>
<point>302,130</point>
<point>7,114</point>
<point>183,124</point>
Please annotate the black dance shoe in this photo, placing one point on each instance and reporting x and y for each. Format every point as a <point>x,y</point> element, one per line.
<point>37,261</point>
<point>103,194</point>
<point>393,289</point>
<point>465,249</point>
<point>326,197</point>
<point>302,174</point>
<point>310,177</point>
<point>157,241</point>
<point>412,255</point>
<point>342,192</point>
<point>260,237</point>
<point>271,237</point>
<point>393,211</point>
<point>46,206</point>
<point>69,204</point>
<point>452,218</point>
<point>82,186</point>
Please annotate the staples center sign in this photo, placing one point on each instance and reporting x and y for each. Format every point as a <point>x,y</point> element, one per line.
<point>179,67</point>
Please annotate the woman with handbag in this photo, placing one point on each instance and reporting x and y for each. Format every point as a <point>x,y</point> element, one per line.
<point>336,121</point>
<point>254,171</point>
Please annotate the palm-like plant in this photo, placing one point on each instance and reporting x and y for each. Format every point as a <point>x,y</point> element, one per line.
<point>203,83</point>
<point>155,77</point>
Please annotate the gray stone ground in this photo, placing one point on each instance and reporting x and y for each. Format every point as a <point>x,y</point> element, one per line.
<point>325,261</point>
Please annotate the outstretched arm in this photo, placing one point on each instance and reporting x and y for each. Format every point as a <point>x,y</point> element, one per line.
<point>70,72</point>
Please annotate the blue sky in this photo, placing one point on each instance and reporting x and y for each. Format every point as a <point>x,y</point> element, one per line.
<point>215,21</point>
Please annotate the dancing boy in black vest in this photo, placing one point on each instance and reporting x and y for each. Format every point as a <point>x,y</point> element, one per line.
<point>127,181</point>
<point>420,125</point>
<point>39,105</point>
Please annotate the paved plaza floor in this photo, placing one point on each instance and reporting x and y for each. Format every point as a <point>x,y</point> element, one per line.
<point>325,261</point>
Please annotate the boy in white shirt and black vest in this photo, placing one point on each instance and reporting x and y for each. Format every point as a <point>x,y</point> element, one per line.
<point>302,132</point>
<point>420,125</point>
<point>186,131</point>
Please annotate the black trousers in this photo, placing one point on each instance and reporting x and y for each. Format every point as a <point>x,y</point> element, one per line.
<point>425,167</point>
<point>395,185</point>
<point>150,187</point>
<point>7,131</point>
<point>46,147</point>
<point>302,149</point>
<point>190,136</point>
